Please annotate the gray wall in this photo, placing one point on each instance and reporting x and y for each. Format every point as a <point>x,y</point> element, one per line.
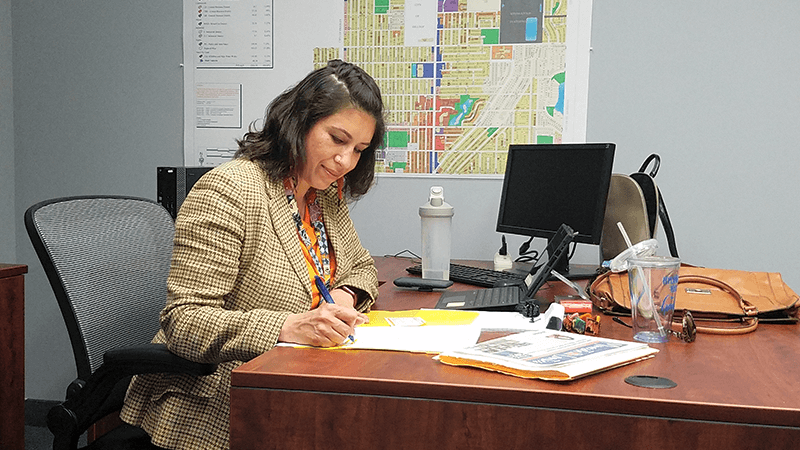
<point>8,251</point>
<point>97,106</point>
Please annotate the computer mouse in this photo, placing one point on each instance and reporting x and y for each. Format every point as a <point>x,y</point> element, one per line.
<point>507,282</point>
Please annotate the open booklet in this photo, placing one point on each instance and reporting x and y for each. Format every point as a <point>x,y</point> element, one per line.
<point>548,355</point>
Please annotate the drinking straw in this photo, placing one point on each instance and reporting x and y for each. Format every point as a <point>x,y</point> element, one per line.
<point>650,302</point>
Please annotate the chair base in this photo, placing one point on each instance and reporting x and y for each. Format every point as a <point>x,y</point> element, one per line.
<point>123,437</point>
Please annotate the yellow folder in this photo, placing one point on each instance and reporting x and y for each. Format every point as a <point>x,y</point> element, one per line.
<point>422,317</point>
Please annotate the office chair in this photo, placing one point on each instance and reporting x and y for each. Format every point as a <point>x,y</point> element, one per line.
<point>107,259</point>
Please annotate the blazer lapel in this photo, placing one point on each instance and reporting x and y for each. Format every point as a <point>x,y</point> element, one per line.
<point>330,207</point>
<point>284,226</point>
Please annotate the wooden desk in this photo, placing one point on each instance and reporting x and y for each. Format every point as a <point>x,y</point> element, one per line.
<point>737,392</point>
<point>12,355</point>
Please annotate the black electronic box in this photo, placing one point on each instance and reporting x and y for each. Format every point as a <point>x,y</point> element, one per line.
<point>173,183</point>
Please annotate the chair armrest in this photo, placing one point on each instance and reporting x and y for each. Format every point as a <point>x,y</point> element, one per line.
<point>153,358</point>
<point>87,403</point>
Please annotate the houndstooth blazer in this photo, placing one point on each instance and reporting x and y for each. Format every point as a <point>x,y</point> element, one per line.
<point>237,272</point>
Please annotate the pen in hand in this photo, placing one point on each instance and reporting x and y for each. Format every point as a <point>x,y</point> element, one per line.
<point>326,296</point>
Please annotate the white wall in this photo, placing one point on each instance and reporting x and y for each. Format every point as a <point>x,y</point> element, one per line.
<point>712,89</point>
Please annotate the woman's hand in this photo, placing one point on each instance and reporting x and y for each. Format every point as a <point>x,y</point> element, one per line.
<point>326,326</point>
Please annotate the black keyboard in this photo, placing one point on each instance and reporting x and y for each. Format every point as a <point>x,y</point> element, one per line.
<point>496,297</point>
<point>476,276</point>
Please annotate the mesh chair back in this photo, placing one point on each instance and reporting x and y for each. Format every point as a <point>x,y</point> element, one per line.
<point>107,260</point>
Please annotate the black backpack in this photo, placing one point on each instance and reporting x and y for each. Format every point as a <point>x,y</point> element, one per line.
<point>636,201</point>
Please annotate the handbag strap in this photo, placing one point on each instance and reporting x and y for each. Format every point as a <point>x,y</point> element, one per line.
<point>667,224</point>
<point>656,165</point>
<point>662,208</point>
<point>750,311</point>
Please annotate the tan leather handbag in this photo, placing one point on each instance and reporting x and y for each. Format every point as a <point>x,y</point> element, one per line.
<point>722,301</point>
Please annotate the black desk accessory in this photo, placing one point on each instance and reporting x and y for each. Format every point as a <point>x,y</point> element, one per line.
<point>423,284</point>
<point>649,381</point>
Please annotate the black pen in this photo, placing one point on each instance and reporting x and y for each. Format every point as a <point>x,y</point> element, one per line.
<point>323,292</point>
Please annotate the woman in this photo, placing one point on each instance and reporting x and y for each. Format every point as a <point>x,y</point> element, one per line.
<point>250,239</point>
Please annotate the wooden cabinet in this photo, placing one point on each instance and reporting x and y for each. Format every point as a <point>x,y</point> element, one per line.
<point>12,355</point>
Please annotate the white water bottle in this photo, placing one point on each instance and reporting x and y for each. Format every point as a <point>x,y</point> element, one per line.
<point>437,216</point>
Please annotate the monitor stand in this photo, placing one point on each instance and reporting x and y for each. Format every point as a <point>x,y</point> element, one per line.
<point>571,272</point>
<point>579,273</point>
<point>574,272</point>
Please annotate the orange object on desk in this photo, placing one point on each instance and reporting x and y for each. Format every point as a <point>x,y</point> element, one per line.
<point>576,306</point>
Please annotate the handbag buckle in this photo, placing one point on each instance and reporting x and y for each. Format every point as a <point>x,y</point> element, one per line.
<point>750,310</point>
<point>698,291</point>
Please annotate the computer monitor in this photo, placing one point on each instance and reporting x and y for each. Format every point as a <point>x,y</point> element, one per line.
<point>546,185</point>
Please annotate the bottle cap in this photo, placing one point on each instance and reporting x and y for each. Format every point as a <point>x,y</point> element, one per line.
<point>436,206</point>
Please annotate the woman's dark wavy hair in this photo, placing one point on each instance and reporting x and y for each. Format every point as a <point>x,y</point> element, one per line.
<point>280,146</point>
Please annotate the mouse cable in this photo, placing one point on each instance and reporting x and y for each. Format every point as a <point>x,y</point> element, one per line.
<point>398,254</point>
<point>526,254</point>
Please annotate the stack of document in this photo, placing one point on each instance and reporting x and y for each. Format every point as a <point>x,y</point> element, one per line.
<point>548,355</point>
<point>432,330</point>
<point>529,351</point>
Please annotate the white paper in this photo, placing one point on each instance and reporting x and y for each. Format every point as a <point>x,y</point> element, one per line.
<point>507,321</point>
<point>425,339</point>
